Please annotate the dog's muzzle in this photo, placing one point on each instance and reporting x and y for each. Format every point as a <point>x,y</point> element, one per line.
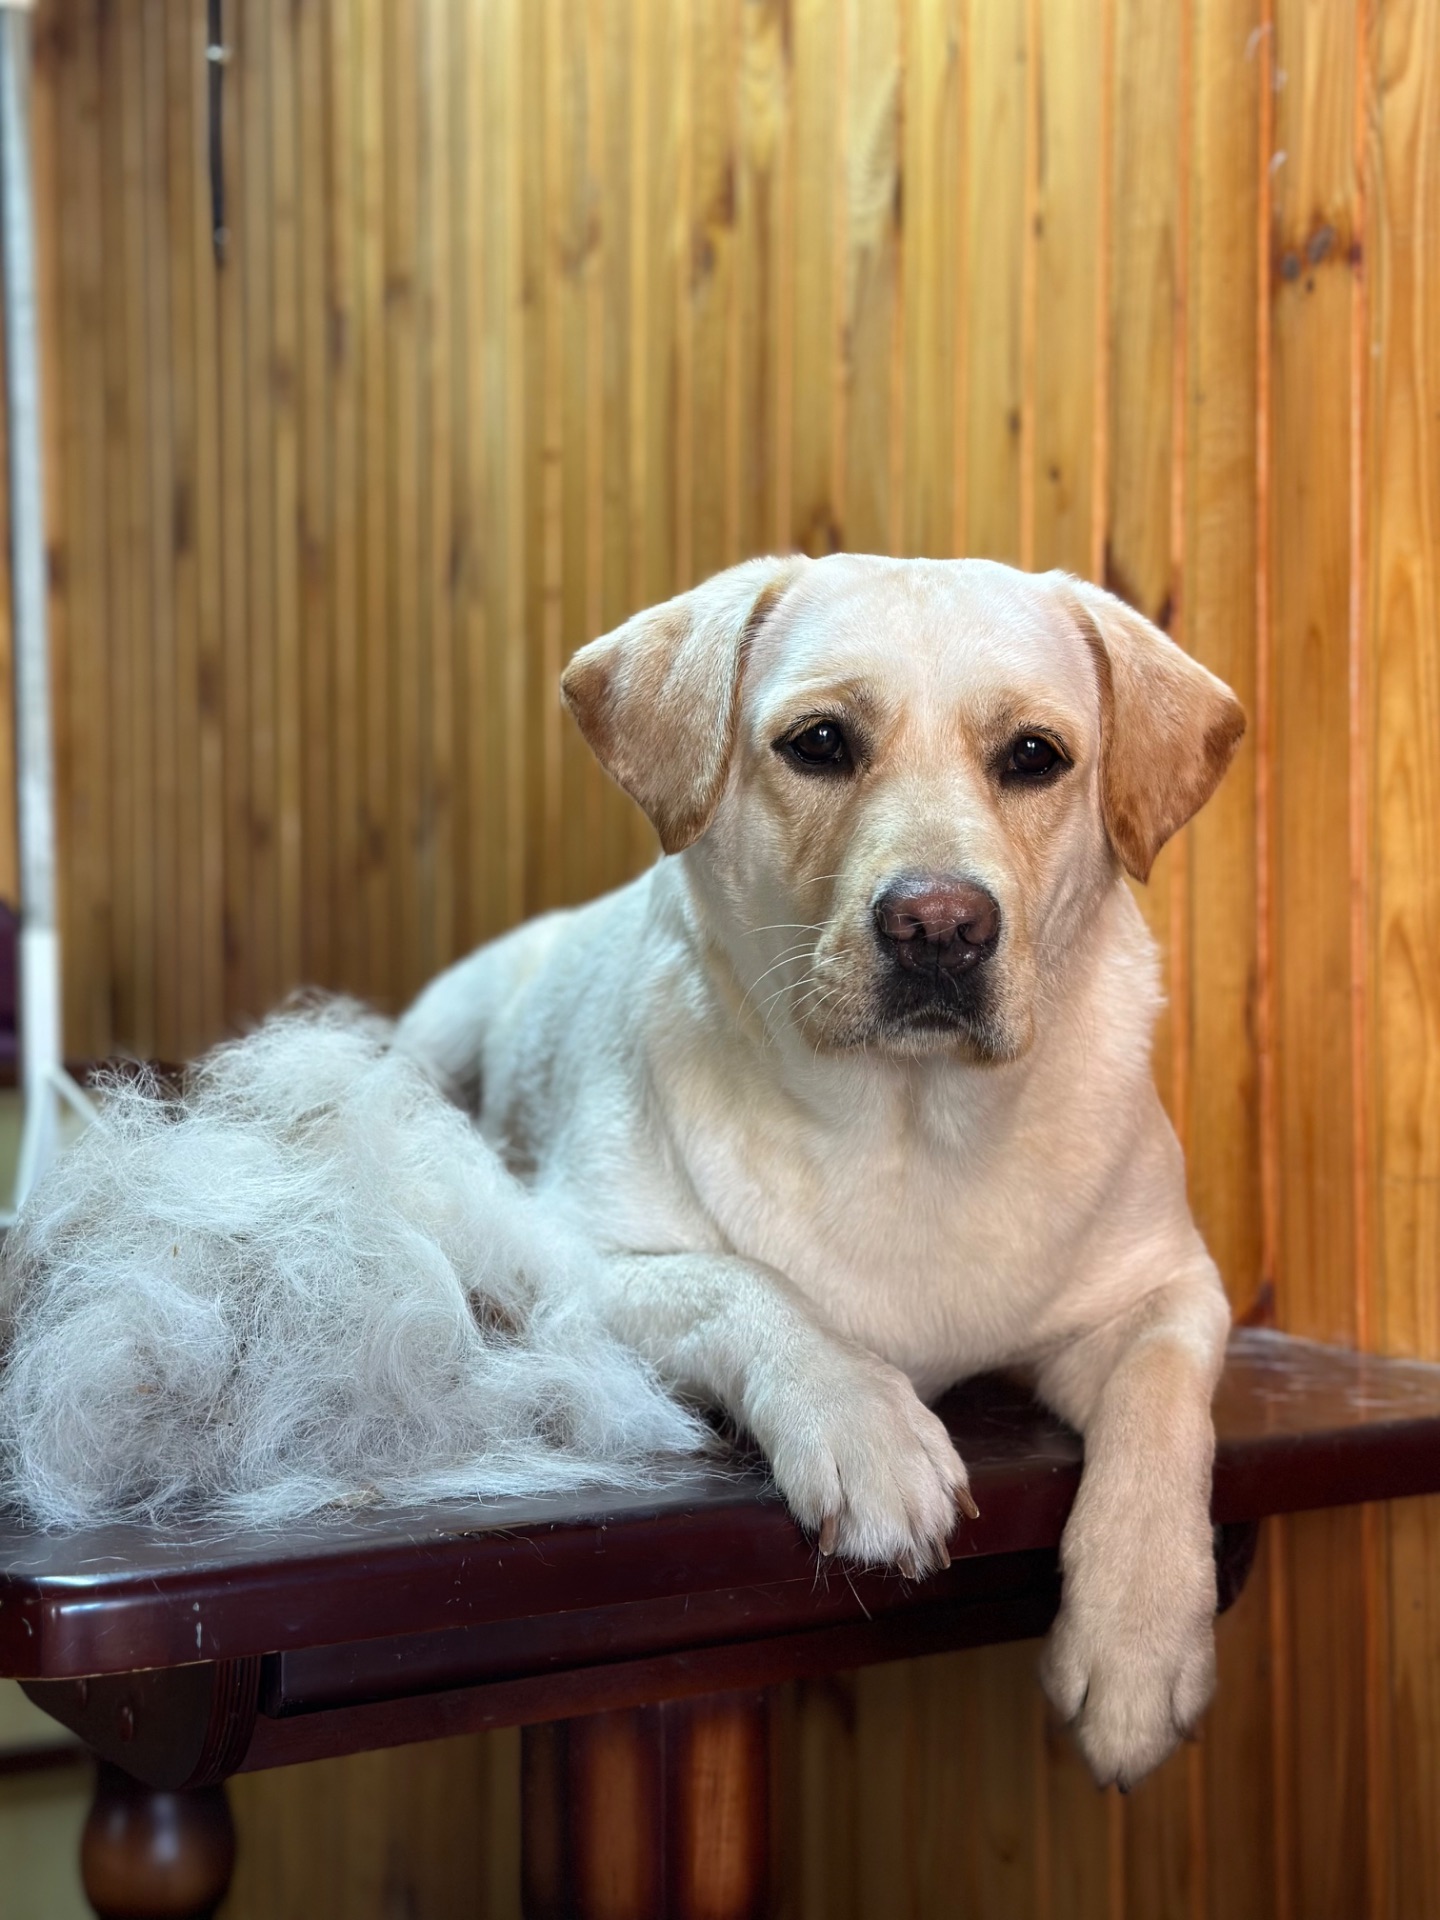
<point>936,933</point>
<point>937,923</point>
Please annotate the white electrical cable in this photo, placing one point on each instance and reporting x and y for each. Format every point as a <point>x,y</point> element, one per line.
<point>46,1083</point>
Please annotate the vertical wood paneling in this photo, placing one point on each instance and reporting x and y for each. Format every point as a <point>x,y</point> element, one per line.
<point>1313,231</point>
<point>154,716</point>
<point>284,379</point>
<point>1069,183</point>
<point>996,77</point>
<point>377,855</point>
<point>1403,657</point>
<point>534,311</point>
<point>340,561</point>
<point>709,290</point>
<point>48,65</point>
<point>1314,228</point>
<point>170,371</point>
<point>819,30</point>
<point>406,674</point>
<point>132,838</point>
<point>240,973</point>
<point>1404,632</point>
<point>469,552</point>
<point>1143,461</point>
<point>602,241</point>
<point>562,454</point>
<point>1139,434</point>
<point>931,189</point>
<point>1240,1836</point>
<point>312,118</point>
<point>762,189</point>
<point>1149,170</point>
<point>436,295</point>
<point>609,535</point>
<point>821,1801</point>
<point>414,1830</point>
<point>653,344</point>
<point>511,223</point>
<point>1219,600</point>
<point>871,318</point>
<point>1070,332</point>
<point>1219,628</point>
<point>77,470</point>
<point>203,520</point>
<point>1404,637</point>
<point>995,1693</point>
<point>251,99</point>
<point>533,294</point>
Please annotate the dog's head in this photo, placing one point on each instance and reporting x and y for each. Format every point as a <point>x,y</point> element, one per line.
<point>907,783</point>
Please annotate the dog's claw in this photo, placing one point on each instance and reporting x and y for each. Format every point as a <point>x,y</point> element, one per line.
<point>944,1556</point>
<point>910,1567</point>
<point>966,1503</point>
<point>829,1534</point>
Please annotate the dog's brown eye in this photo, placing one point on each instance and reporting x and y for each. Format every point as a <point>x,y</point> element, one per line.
<point>821,747</point>
<point>1032,755</point>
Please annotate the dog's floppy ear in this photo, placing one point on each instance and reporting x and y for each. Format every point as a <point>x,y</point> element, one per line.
<point>658,699</point>
<point>1169,728</point>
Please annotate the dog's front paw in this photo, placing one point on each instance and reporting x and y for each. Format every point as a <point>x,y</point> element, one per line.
<point>1130,1662</point>
<point>861,1461</point>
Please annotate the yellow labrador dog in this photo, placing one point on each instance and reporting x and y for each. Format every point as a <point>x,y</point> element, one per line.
<point>854,1088</point>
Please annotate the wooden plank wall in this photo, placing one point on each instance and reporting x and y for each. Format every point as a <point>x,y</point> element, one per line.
<point>532,311</point>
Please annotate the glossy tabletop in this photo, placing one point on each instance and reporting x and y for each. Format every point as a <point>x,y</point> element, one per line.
<point>1298,1426</point>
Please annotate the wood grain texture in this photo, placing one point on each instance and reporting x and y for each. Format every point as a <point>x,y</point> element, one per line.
<point>417,1830</point>
<point>931,182</point>
<point>1070,169</point>
<point>818,31</point>
<point>1234,1854</point>
<point>1313,232</point>
<point>531,314</point>
<point>1160,1834</point>
<point>1316,248</point>
<point>995,176</point>
<point>1401,655</point>
<point>1070,281</point>
<point>870,322</point>
<point>1144,351</point>
<point>1219,621</point>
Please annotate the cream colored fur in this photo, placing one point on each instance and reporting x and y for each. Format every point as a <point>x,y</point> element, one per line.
<point>818,1220</point>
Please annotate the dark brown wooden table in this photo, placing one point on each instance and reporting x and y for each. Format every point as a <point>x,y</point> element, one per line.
<point>633,1636</point>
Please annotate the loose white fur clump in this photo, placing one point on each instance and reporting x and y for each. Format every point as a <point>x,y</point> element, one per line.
<point>305,1280</point>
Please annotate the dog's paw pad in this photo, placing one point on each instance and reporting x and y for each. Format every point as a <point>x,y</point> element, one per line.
<point>864,1463</point>
<point>1128,1703</point>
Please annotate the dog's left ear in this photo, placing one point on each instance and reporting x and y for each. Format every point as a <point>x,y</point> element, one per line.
<point>1169,728</point>
<point>658,699</point>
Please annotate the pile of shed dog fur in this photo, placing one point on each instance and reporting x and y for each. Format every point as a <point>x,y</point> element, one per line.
<point>303,1281</point>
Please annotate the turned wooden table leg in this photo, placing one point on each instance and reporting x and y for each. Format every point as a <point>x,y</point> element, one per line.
<point>660,1813</point>
<point>148,1854</point>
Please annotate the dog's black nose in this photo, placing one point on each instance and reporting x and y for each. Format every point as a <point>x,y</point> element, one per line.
<point>937,920</point>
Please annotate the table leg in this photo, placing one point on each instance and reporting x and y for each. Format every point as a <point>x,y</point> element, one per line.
<point>659,1813</point>
<point>163,1855</point>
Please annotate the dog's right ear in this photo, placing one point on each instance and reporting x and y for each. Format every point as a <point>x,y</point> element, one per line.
<point>658,699</point>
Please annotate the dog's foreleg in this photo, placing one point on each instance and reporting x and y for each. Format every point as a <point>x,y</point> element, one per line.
<point>444,1030</point>
<point>863,1464</point>
<point>1131,1658</point>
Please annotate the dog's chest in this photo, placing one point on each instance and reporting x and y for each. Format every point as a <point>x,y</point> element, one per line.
<point>938,1256</point>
